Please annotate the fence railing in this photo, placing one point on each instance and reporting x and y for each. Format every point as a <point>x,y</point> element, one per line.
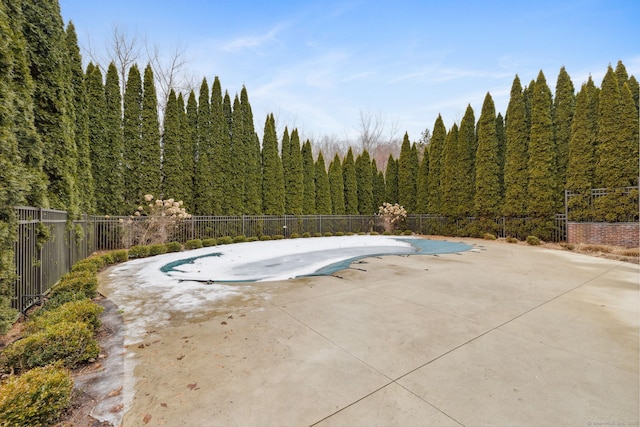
<point>49,244</point>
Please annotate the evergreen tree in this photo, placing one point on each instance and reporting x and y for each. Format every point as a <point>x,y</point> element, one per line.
<point>336,183</point>
<point>488,186</point>
<point>228,112</point>
<point>295,176</point>
<point>237,178</point>
<point>323,190</point>
<point>173,184</point>
<point>191,150</point>
<point>186,155</point>
<point>95,111</point>
<point>436,148</point>
<point>48,63</point>
<point>149,156</point>
<point>621,73</point>
<point>635,90</point>
<point>378,185</point>
<point>220,156</point>
<point>272,174</point>
<point>132,132</point>
<point>18,77</point>
<point>253,181</point>
<point>563,109</point>
<point>542,154</point>
<point>285,152</point>
<point>204,179</point>
<point>516,154</point>
<point>407,172</point>
<point>350,184</point>
<point>364,184</point>
<point>12,184</point>
<point>78,111</point>
<point>422,197</point>
<point>110,187</point>
<point>465,170</point>
<point>391,181</point>
<point>527,93</point>
<point>309,188</point>
<point>581,162</point>
<point>450,179</point>
<point>502,143</point>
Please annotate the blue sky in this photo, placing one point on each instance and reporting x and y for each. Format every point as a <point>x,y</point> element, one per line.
<point>318,64</point>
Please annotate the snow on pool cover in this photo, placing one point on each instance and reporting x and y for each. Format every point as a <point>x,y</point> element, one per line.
<point>285,259</point>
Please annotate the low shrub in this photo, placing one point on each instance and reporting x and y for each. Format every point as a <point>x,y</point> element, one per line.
<point>107,259</point>
<point>386,233</point>
<point>61,298</point>
<point>85,311</point>
<point>567,246</point>
<point>407,232</point>
<point>193,244</point>
<point>240,239</point>
<point>120,255</point>
<point>339,233</point>
<point>226,240</point>
<point>209,242</point>
<point>317,234</point>
<point>264,237</point>
<point>489,236</point>
<point>173,247</point>
<point>361,233</point>
<point>328,234</point>
<point>138,252</point>
<point>373,233</point>
<point>86,264</point>
<point>252,239</point>
<point>76,281</point>
<point>157,249</point>
<point>397,232</point>
<point>349,233</point>
<point>277,237</point>
<point>71,343</point>
<point>306,234</point>
<point>36,398</point>
<point>294,236</point>
<point>511,240</point>
<point>533,240</point>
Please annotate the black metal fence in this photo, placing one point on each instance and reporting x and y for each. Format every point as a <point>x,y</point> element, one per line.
<point>49,243</point>
<point>620,204</point>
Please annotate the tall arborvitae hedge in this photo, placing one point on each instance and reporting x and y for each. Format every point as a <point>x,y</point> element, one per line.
<point>309,185</point>
<point>542,154</point>
<point>191,137</point>
<point>323,190</point>
<point>149,157</point>
<point>285,153</point>
<point>364,184</point>
<point>295,176</point>
<point>391,181</point>
<point>563,110</point>
<point>582,145</point>
<point>174,174</point>
<point>110,187</point>
<point>272,174</point>
<point>422,198</point>
<point>516,154</point>
<point>30,145</point>
<point>436,148</point>
<point>377,178</point>
<point>236,181</point>
<point>487,198</point>
<point>336,184</point>
<point>450,180</point>
<point>12,183</point>
<point>465,169</point>
<point>407,173</point>
<point>132,133</point>
<point>204,179</point>
<point>350,184</point>
<point>78,111</point>
<point>49,67</point>
<point>220,156</point>
<point>253,181</point>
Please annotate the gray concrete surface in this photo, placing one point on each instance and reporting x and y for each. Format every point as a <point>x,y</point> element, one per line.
<point>503,335</point>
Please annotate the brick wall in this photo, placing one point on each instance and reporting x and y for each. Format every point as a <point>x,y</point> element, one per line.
<point>625,234</point>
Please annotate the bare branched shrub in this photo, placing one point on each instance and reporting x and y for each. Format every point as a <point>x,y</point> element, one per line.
<point>155,221</point>
<point>392,215</point>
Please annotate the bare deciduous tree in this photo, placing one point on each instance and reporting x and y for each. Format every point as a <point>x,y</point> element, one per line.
<point>124,51</point>
<point>170,73</point>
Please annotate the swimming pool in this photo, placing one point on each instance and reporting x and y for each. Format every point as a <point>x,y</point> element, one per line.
<point>286,259</point>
